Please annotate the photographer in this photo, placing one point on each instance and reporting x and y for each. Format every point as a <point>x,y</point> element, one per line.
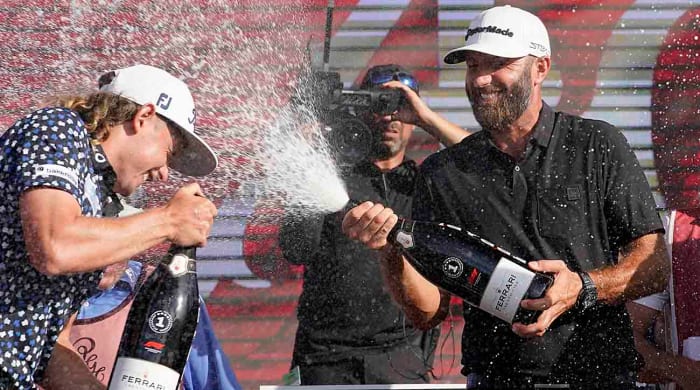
<point>350,331</point>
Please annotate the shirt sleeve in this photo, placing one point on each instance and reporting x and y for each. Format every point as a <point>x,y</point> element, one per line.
<point>629,205</point>
<point>50,151</point>
<point>427,204</point>
<point>655,301</point>
<point>422,199</point>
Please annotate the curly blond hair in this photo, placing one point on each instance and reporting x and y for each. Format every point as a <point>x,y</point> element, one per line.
<point>99,111</point>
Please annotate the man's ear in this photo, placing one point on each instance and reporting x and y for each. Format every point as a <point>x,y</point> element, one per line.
<point>146,113</point>
<point>541,69</point>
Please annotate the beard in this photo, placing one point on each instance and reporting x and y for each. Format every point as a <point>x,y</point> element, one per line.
<point>382,149</point>
<point>507,107</point>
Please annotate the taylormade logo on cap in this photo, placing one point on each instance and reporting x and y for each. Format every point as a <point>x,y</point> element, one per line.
<point>504,31</point>
<point>489,29</point>
<point>144,84</point>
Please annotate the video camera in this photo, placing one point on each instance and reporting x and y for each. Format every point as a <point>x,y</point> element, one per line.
<point>340,112</point>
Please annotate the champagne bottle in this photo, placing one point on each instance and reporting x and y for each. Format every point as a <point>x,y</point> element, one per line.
<point>474,269</point>
<point>160,326</point>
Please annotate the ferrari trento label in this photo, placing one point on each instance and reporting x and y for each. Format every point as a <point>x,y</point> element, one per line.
<point>137,374</point>
<point>505,289</point>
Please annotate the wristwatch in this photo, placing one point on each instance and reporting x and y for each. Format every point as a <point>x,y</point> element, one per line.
<point>588,295</point>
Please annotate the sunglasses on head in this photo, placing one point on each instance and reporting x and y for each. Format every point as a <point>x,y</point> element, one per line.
<point>380,78</point>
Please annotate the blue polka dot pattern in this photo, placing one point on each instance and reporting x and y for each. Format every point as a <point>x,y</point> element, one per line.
<point>47,148</point>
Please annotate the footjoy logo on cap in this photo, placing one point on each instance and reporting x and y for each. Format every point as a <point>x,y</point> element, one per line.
<point>488,29</point>
<point>164,101</point>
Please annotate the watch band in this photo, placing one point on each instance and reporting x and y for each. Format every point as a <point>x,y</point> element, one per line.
<point>589,293</point>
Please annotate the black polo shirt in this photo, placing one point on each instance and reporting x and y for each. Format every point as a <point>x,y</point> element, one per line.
<point>579,195</point>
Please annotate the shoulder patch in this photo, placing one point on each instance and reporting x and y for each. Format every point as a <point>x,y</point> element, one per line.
<point>65,173</point>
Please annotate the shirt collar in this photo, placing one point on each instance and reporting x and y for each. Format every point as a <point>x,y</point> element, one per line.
<point>112,204</point>
<point>544,126</point>
<point>368,168</point>
<point>542,131</point>
<point>102,166</point>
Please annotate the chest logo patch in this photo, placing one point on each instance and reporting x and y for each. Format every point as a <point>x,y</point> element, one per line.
<point>573,193</point>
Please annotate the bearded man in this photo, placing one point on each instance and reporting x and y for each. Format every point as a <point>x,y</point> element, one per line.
<point>543,185</point>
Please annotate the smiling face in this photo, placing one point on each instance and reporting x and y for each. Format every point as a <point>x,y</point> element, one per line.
<point>499,89</point>
<point>141,151</point>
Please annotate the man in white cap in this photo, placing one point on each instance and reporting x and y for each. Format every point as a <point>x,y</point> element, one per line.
<point>60,170</point>
<point>543,185</point>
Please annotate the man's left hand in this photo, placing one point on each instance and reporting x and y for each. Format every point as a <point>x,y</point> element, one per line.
<point>559,297</point>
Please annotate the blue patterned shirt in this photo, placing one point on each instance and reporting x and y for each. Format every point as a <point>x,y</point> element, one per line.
<point>49,148</point>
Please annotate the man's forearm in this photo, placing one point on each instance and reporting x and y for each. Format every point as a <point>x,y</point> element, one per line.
<point>445,131</point>
<point>87,244</point>
<point>424,304</point>
<point>643,269</point>
<point>666,365</point>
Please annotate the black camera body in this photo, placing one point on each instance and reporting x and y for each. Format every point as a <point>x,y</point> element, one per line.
<point>378,101</point>
<point>340,111</point>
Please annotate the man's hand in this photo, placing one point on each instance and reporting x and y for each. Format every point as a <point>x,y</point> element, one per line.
<point>416,112</point>
<point>370,224</point>
<point>413,109</point>
<point>192,215</point>
<point>559,297</point>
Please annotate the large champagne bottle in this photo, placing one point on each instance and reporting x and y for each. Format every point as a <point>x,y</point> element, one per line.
<point>160,326</point>
<point>470,267</point>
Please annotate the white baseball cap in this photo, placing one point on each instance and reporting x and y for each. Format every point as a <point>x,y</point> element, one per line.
<point>504,31</point>
<point>143,84</point>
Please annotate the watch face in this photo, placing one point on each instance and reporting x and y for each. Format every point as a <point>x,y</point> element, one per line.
<point>588,295</point>
<point>588,299</point>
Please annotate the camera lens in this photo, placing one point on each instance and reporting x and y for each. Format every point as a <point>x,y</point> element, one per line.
<point>351,139</point>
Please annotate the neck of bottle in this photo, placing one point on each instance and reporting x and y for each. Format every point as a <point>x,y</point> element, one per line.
<point>402,225</point>
<point>181,260</point>
<point>189,251</point>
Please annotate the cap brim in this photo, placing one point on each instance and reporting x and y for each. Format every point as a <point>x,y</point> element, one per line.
<point>197,159</point>
<point>455,56</point>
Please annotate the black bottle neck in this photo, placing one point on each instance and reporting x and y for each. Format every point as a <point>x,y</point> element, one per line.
<point>181,259</point>
<point>189,251</point>
<point>402,225</point>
